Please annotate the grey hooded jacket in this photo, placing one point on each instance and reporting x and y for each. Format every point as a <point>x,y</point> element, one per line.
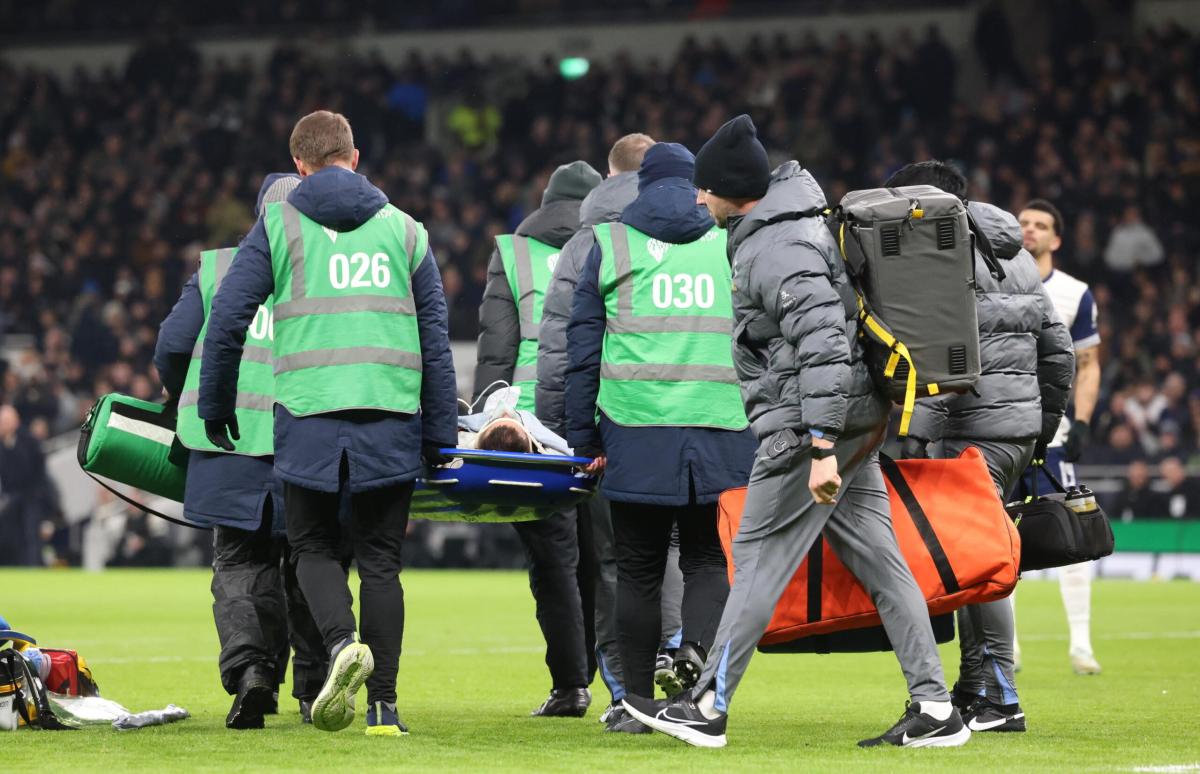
<point>1025,352</point>
<point>795,345</point>
<point>604,204</point>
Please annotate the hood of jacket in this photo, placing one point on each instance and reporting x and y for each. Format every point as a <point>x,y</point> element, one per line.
<point>552,223</point>
<point>1000,227</point>
<point>793,190</point>
<point>665,207</point>
<point>337,198</point>
<point>292,180</point>
<point>608,200</point>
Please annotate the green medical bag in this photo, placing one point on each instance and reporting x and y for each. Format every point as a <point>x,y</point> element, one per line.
<point>133,442</point>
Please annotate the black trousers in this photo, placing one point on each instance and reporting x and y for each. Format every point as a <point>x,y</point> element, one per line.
<point>642,534</point>
<point>260,612</point>
<point>556,579</point>
<point>378,521</point>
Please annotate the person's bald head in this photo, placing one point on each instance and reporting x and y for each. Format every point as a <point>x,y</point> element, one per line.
<point>627,153</point>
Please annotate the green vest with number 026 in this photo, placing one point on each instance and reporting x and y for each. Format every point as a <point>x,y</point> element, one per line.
<point>256,380</point>
<point>346,333</point>
<point>668,356</point>
<point>528,266</point>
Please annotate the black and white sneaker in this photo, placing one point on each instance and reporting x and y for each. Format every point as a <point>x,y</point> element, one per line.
<point>680,718</point>
<point>621,722</point>
<point>917,729</point>
<point>988,716</point>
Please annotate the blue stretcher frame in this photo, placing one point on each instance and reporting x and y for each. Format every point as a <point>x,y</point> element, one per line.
<point>480,486</point>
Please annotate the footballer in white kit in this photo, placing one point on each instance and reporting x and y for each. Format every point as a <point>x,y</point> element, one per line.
<point>1041,232</point>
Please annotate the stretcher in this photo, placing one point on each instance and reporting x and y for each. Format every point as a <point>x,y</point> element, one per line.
<point>496,487</point>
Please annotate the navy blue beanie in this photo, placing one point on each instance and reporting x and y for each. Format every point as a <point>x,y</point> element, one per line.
<point>665,160</point>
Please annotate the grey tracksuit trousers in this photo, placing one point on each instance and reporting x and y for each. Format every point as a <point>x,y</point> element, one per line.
<point>608,651</point>
<point>779,524</point>
<point>986,632</point>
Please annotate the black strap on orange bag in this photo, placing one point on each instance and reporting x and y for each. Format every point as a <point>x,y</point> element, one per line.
<point>924,527</point>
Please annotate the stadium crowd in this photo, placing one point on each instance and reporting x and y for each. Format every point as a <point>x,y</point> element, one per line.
<point>111,182</point>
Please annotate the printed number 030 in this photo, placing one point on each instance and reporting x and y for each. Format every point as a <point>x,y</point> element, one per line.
<point>683,291</point>
<point>352,271</point>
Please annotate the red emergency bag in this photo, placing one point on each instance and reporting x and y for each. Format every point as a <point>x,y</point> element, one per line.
<point>952,529</point>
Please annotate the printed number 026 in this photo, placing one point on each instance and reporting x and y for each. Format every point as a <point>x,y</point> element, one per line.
<point>351,271</point>
<point>683,291</point>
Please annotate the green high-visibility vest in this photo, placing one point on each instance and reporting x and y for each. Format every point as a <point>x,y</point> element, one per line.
<point>528,265</point>
<point>256,380</point>
<point>346,333</point>
<point>668,350</point>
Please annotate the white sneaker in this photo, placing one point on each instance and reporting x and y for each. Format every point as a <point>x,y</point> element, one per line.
<point>333,709</point>
<point>1084,663</point>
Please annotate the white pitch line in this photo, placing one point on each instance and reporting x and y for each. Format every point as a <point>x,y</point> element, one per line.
<point>1178,768</point>
<point>1118,636</point>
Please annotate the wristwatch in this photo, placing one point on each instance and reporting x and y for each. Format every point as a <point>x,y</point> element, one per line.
<point>820,454</point>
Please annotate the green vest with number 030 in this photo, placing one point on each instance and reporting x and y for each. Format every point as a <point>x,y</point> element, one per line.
<point>256,380</point>
<point>528,266</point>
<point>346,333</point>
<point>667,357</point>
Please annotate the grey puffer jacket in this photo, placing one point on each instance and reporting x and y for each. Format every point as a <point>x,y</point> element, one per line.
<point>795,345</point>
<point>1026,357</point>
<point>604,204</point>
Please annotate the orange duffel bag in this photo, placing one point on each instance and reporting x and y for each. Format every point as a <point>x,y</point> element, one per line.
<point>953,531</point>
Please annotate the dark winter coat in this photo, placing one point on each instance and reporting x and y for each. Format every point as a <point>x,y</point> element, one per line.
<point>379,448</point>
<point>795,346</point>
<point>655,465</point>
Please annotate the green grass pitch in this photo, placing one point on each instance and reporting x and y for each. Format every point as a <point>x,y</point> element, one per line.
<point>472,670</point>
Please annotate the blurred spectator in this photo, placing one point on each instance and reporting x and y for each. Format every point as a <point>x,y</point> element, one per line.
<point>1132,244</point>
<point>26,497</point>
<point>1137,500</point>
<point>1182,493</point>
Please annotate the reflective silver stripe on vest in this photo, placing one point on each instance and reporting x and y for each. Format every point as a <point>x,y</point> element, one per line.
<point>347,356</point>
<point>410,241</point>
<point>245,400</point>
<point>655,372</point>
<point>249,354</point>
<point>295,243</point>
<point>529,329</point>
<point>525,373</point>
<point>224,261</point>
<point>345,304</point>
<point>670,324</point>
<point>623,265</point>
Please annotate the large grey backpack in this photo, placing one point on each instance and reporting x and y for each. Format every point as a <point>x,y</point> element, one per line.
<point>910,254</point>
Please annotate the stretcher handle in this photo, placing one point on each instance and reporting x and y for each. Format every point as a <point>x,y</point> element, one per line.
<point>522,484</point>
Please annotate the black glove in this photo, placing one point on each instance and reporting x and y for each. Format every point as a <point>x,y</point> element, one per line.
<point>914,449</point>
<point>1078,437</point>
<point>1039,451</point>
<point>432,453</point>
<point>215,429</point>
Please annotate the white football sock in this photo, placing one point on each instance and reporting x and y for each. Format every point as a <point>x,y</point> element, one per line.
<point>707,705</point>
<point>1075,582</point>
<point>938,710</point>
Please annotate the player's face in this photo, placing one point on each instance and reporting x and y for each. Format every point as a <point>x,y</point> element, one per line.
<point>1037,232</point>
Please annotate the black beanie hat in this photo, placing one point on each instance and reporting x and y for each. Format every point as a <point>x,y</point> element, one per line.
<point>733,163</point>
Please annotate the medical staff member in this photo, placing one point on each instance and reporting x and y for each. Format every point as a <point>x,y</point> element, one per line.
<point>363,383</point>
<point>509,322</point>
<point>257,603</point>
<point>652,394</point>
<point>820,421</point>
<point>1042,232</point>
<point>1026,368</point>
